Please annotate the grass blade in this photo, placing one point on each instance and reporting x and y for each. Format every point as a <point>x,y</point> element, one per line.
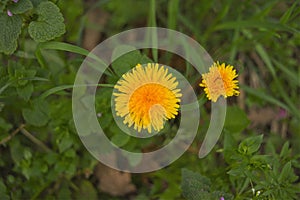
<point>64,87</point>
<point>70,48</point>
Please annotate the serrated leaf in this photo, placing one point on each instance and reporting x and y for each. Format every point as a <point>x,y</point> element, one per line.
<point>194,186</point>
<point>236,119</point>
<point>9,32</point>
<point>21,7</point>
<point>49,25</point>
<point>250,145</point>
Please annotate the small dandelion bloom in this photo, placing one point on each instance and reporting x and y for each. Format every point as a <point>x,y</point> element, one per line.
<point>219,81</point>
<point>147,97</point>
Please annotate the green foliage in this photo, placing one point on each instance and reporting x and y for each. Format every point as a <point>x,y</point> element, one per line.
<point>42,156</point>
<point>42,18</point>
<point>9,33</point>
<point>21,7</point>
<point>197,187</point>
<point>236,119</point>
<point>49,23</point>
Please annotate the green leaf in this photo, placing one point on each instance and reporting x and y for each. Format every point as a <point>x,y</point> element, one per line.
<point>70,48</point>
<point>194,186</point>
<point>236,119</point>
<point>16,151</point>
<point>250,145</point>
<point>286,172</point>
<point>37,115</point>
<point>86,191</point>
<point>25,92</point>
<point>285,151</point>
<point>49,25</point>
<point>21,7</point>
<point>125,62</point>
<point>65,142</point>
<point>9,32</point>
<point>120,139</point>
<point>4,125</point>
<point>3,191</point>
<point>35,3</point>
<point>286,16</point>
<point>229,146</point>
<point>255,24</point>
<point>237,171</point>
<point>64,191</point>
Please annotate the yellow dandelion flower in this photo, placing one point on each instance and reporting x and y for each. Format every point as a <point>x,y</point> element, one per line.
<point>147,97</point>
<point>219,81</point>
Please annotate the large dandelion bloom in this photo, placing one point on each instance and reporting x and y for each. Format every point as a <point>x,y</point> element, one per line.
<point>147,97</point>
<point>219,81</point>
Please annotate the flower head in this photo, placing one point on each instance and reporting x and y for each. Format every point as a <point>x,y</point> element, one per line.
<point>219,81</point>
<point>147,97</point>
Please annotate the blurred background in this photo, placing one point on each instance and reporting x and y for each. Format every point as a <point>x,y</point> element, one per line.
<point>257,156</point>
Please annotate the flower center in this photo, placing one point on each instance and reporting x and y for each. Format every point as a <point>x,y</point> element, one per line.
<point>151,103</point>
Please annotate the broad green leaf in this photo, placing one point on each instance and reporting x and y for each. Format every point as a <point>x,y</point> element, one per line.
<point>236,119</point>
<point>125,62</point>
<point>26,91</point>
<point>120,139</point>
<point>86,191</point>
<point>37,115</point>
<point>49,25</point>
<point>145,59</point>
<point>250,145</point>
<point>194,186</point>
<point>21,7</point>
<point>65,142</point>
<point>64,191</point>
<point>9,32</point>
<point>35,3</point>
